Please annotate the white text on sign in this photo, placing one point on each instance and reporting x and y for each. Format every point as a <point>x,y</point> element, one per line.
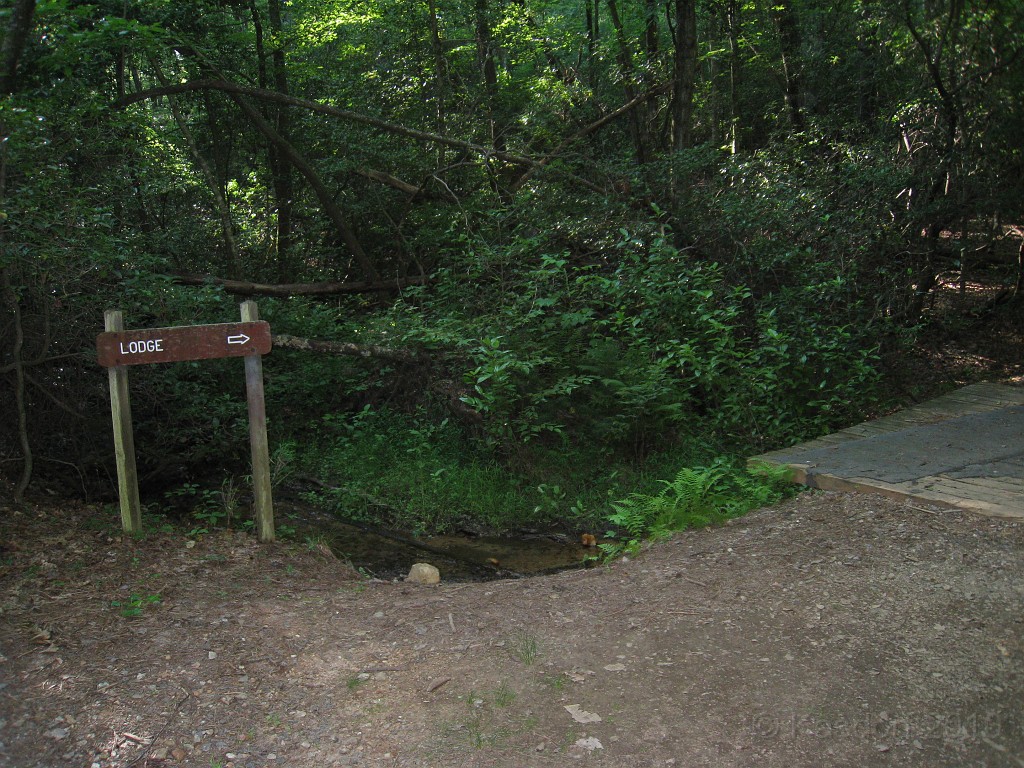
<point>138,347</point>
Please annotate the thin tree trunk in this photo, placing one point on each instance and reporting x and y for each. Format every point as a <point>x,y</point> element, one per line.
<point>685,73</point>
<point>593,35</point>
<point>323,194</point>
<point>223,209</point>
<point>226,86</point>
<point>19,385</point>
<point>485,60</point>
<point>441,84</point>
<point>281,171</point>
<point>17,362</point>
<point>19,25</point>
<point>625,57</point>
<point>10,52</point>
<point>735,74</point>
<point>285,290</point>
<point>789,47</point>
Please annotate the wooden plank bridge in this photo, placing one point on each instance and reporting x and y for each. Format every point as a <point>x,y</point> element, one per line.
<point>963,450</point>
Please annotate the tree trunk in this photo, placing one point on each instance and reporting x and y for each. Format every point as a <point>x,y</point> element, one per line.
<point>489,74</point>
<point>735,74</point>
<point>11,298</point>
<point>593,32</point>
<point>226,86</point>
<point>441,83</point>
<point>19,25</point>
<point>685,73</point>
<point>789,47</point>
<point>223,209</point>
<point>285,290</point>
<point>280,169</point>
<point>323,194</point>
<point>625,57</point>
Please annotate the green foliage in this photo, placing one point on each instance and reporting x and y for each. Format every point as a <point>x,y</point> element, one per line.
<point>133,607</point>
<point>603,316</point>
<point>694,498</point>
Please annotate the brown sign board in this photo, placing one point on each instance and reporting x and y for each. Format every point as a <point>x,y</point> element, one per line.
<point>187,342</point>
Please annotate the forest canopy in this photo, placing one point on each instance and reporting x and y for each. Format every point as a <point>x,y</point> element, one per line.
<point>568,235</point>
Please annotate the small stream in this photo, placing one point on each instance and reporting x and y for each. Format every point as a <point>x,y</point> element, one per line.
<point>388,555</point>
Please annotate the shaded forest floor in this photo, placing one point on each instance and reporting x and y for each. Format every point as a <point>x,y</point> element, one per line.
<point>830,629</point>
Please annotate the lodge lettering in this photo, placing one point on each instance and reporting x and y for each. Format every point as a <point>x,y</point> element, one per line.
<point>138,347</point>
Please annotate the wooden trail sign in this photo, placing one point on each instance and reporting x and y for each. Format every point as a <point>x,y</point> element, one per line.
<point>189,342</point>
<point>117,348</point>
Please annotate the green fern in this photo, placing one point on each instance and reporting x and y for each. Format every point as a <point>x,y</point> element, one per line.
<point>697,497</point>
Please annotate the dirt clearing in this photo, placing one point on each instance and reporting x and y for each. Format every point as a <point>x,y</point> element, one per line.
<point>830,630</point>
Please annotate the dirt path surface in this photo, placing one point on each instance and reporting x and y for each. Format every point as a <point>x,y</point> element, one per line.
<point>831,630</point>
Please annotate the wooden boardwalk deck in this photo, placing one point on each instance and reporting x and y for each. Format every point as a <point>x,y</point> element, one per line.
<point>964,450</point>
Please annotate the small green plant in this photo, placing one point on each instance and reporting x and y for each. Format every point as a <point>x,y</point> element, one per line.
<point>524,647</point>
<point>354,682</point>
<point>695,498</point>
<point>504,695</point>
<point>315,542</point>
<point>282,463</point>
<point>557,682</point>
<point>132,607</point>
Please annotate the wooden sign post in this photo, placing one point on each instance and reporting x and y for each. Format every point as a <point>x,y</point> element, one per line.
<point>117,348</point>
<point>124,441</point>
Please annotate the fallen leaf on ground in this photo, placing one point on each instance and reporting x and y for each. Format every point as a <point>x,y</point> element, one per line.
<point>581,716</point>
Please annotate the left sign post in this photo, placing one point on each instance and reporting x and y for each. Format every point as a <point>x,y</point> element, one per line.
<point>117,348</point>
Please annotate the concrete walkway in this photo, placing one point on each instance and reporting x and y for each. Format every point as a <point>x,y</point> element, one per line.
<point>964,450</point>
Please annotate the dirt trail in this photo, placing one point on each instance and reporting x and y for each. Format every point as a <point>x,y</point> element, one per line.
<point>830,630</point>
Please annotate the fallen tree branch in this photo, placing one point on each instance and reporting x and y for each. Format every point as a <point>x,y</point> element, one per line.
<point>284,290</point>
<point>392,181</point>
<point>346,348</point>
<point>586,131</point>
<point>324,109</point>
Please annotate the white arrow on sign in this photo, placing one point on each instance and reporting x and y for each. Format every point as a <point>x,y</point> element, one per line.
<point>240,339</point>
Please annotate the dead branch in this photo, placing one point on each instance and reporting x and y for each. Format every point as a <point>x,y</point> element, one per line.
<point>386,178</point>
<point>284,290</point>
<point>324,109</point>
<point>346,348</point>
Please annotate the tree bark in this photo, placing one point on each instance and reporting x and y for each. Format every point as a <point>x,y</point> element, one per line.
<point>19,25</point>
<point>685,73</point>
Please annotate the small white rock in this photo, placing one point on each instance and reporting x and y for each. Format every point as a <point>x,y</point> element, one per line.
<point>423,573</point>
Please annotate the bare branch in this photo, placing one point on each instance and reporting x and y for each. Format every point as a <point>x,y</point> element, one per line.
<point>283,290</point>
<point>346,349</point>
<point>324,109</point>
